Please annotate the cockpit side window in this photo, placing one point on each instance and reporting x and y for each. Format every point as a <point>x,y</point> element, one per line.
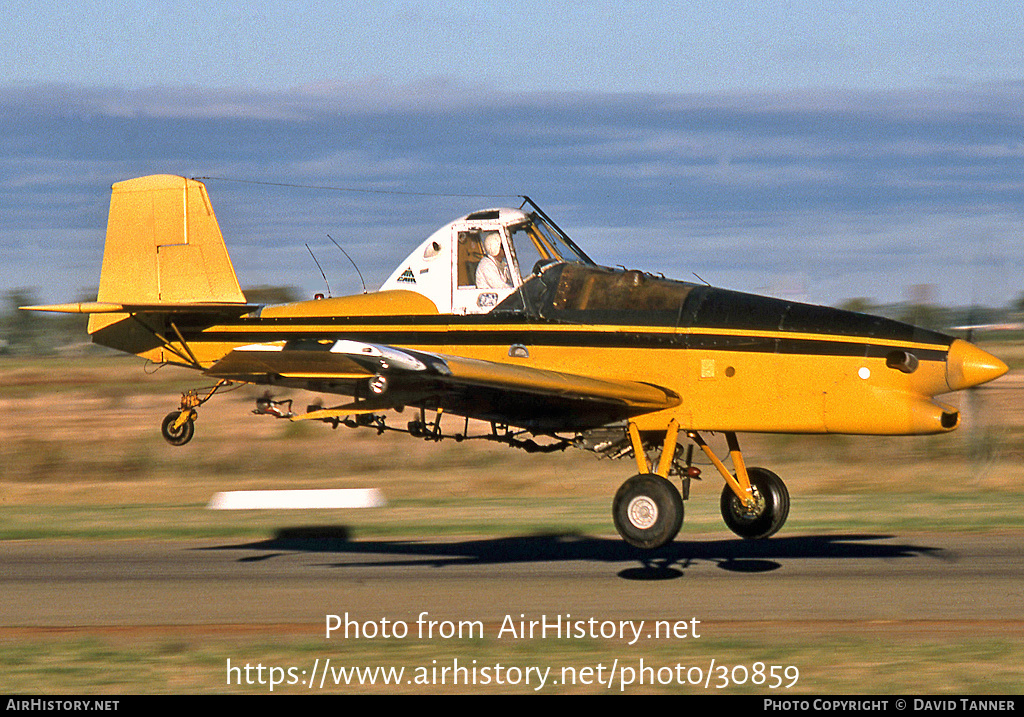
<point>470,252</point>
<point>481,260</point>
<point>484,271</point>
<point>492,272</point>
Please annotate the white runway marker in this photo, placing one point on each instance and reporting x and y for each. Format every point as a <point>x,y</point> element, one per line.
<point>297,499</point>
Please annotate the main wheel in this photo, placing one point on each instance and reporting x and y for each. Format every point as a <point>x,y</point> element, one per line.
<point>648,511</point>
<point>768,514</point>
<point>182,434</point>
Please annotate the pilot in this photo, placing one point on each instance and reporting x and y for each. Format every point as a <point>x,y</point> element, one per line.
<point>492,271</point>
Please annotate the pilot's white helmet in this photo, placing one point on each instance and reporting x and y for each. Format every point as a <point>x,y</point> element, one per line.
<point>492,243</point>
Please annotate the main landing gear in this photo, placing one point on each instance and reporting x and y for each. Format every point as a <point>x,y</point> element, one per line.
<point>768,512</point>
<point>648,508</point>
<point>178,427</point>
<point>648,511</point>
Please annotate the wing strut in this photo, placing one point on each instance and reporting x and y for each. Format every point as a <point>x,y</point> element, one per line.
<point>184,345</point>
<point>189,360</point>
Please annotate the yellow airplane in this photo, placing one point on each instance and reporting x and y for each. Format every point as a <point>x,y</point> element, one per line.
<point>500,317</point>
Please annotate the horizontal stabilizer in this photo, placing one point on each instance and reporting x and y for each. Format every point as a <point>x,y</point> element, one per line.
<point>107,307</point>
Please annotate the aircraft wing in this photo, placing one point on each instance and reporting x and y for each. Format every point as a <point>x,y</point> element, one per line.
<point>505,393</point>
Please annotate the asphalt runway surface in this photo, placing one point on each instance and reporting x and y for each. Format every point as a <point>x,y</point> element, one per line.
<point>299,576</point>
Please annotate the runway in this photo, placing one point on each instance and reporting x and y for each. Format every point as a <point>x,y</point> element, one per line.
<point>301,575</point>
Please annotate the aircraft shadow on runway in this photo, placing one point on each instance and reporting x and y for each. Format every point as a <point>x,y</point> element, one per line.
<point>734,555</point>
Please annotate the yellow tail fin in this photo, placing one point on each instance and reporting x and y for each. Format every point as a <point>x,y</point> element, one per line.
<point>163,246</point>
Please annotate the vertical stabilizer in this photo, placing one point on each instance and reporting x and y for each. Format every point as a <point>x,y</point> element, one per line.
<point>164,246</point>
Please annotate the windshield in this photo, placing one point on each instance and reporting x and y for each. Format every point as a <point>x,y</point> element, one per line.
<point>536,240</point>
<point>563,246</point>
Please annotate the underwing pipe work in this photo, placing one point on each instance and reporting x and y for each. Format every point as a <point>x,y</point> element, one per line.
<point>500,317</point>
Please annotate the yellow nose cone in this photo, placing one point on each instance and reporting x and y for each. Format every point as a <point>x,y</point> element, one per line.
<point>967,365</point>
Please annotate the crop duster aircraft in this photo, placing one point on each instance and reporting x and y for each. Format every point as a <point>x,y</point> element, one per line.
<point>500,317</point>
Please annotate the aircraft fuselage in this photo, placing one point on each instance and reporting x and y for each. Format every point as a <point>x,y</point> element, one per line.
<point>737,362</point>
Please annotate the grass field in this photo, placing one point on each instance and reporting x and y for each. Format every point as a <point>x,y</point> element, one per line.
<point>952,663</point>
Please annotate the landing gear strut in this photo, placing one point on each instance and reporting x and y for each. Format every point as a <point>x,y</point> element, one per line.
<point>648,509</point>
<point>755,502</point>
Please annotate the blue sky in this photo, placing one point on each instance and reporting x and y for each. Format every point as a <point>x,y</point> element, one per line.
<point>595,46</point>
<point>825,150</point>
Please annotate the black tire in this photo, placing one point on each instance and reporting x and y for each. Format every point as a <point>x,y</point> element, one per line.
<point>180,436</point>
<point>770,513</point>
<point>648,511</point>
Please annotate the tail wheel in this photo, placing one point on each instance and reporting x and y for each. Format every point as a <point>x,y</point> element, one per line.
<point>182,434</point>
<point>769,512</point>
<point>648,511</point>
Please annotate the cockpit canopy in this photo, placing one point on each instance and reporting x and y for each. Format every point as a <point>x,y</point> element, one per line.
<point>476,262</point>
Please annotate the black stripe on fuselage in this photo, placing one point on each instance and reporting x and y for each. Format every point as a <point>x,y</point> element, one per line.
<point>534,336</point>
